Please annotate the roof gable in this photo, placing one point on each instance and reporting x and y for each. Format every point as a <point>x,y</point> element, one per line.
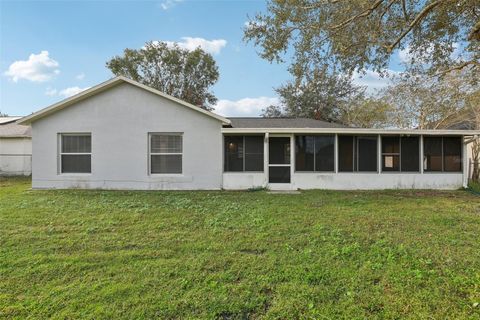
<point>103,87</point>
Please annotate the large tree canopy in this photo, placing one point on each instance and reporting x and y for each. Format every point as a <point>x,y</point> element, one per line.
<point>181,73</point>
<point>330,97</point>
<point>350,35</point>
<point>420,101</point>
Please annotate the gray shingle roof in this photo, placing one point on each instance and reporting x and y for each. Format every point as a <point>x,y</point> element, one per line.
<point>14,130</point>
<point>282,123</point>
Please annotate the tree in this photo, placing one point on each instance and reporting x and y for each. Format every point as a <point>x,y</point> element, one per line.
<point>355,35</point>
<point>420,101</point>
<point>184,74</point>
<point>328,97</point>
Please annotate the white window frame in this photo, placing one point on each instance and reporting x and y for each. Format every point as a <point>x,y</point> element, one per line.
<point>150,153</point>
<point>61,153</point>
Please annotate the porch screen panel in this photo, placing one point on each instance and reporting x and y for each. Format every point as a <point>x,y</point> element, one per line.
<point>367,154</point>
<point>254,153</point>
<point>324,153</point>
<point>410,157</point>
<point>432,149</point>
<point>233,153</point>
<point>304,153</point>
<point>452,154</point>
<point>345,153</point>
<point>390,153</point>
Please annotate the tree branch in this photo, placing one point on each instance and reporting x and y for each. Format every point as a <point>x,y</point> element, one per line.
<point>414,22</point>
<point>475,32</point>
<point>459,67</point>
<point>365,13</point>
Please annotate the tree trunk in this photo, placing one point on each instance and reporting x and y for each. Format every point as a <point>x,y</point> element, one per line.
<point>476,160</point>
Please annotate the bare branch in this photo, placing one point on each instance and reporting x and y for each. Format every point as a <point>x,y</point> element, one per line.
<point>473,63</point>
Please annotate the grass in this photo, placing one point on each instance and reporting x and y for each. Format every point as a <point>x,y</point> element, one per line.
<point>238,255</point>
<point>474,186</point>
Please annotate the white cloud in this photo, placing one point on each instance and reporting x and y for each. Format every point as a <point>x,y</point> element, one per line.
<point>211,46</point>
<point>71,91</point>
<point>67,92</point>
<point>373,80</point>
<point>38,68</point>
<point>167,4</point>
<point>246,107</point>
<point>80,76</point>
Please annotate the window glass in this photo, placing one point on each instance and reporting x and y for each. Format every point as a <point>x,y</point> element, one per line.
<point>390,153</point>
<point>254,153</point>
<point>166,163</point>
<point>76,143</point>
<point>77,163</point>
<point>166,143</point>
<point>452,152</point>
<point>410,154</point>
<point>432,149</point>
<point>345,153</point>
<point>75,153</point>
<point>367,154</point>
<point>166,153</point>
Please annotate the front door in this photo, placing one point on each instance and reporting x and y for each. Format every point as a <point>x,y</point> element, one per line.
<point>279,160</point>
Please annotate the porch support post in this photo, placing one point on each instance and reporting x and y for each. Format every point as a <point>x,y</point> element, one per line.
<point>379,154</point>
<point>465,167</point>
<point>265,159</point>
<point>335,147</point>
<point>421,154</point>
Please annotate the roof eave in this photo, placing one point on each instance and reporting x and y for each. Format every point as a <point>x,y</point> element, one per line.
<point>352,131</point>
<point>104,86</point>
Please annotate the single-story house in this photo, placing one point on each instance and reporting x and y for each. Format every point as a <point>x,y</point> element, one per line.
<point>15,148</point>
<point>122,134</point>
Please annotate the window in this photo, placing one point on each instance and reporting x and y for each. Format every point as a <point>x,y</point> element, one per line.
<point>400,154</point>
<point>166,153</point>
<point>314,153</point>
<point>357,153</point>
<point>75,153</point>
<point>442,154</point>
<point>243,153</point>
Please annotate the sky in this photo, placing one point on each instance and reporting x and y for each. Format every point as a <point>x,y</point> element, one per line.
<point>50,50</point>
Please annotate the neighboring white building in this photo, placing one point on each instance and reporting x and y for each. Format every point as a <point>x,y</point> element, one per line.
<point>124,135</point>
<point>15,148</point>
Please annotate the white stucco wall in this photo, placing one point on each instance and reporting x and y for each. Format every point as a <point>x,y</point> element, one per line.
<point>119,121</point>
<point>348,181</point>
<point>15,156</point>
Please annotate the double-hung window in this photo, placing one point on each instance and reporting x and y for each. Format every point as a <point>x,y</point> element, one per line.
<point>166,153</point>
<point>243,153</point>
<point>75,153</point>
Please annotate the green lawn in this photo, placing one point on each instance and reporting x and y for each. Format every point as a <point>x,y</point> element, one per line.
<point>238,255</point>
